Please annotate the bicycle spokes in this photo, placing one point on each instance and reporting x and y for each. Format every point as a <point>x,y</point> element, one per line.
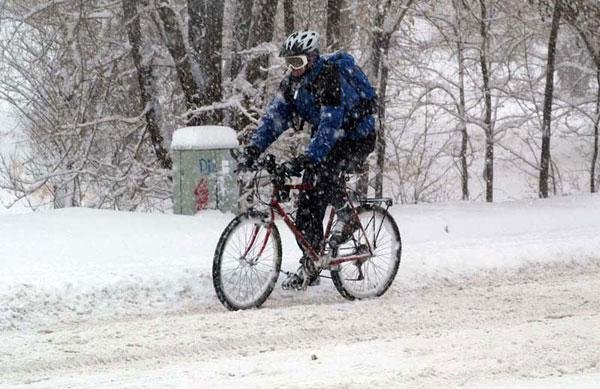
<point>248,263</point>
<point>369,261</point>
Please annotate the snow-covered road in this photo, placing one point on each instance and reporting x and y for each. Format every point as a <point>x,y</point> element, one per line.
<point>486,295</point>
<point>496,327</point>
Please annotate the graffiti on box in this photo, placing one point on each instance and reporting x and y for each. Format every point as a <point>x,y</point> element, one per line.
<point>201,194</point>
<point>207,166</point>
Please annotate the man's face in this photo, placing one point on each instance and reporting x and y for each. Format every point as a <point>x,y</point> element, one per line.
<point>299,72</point>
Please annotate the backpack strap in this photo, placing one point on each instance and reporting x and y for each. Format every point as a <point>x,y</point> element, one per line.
<point>286,87</point>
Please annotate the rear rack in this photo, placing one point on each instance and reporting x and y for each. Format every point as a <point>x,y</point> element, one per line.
<point>377,201</point>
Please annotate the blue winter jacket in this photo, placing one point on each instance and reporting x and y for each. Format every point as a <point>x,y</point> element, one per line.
<point>323,98</point>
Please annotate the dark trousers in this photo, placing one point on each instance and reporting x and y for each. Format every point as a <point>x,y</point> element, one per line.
<point>328,185</point>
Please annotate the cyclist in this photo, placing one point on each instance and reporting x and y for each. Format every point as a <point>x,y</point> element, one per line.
<point>325,92</point>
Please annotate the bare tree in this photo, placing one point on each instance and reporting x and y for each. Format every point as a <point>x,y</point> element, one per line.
<point>453,32</point>
<point>288,16</point>
<point>87,88</point>
<point>241,32</point>
<point>387,19</point>
<point>67,69</point>
<point>148,93</point>
<point>261,31</point>
<point>548,96</point>
<point>390,24</point>
<point>174,39</point>
<point>485,74</point>
<point>464,169</point>
<point>333,24</point>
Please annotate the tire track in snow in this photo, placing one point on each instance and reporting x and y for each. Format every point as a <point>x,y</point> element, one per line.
<point>534,295</point>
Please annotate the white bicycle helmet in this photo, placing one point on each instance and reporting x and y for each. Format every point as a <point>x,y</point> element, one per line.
<point>300,42</point>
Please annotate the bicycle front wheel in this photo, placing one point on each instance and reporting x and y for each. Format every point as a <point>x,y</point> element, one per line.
<point>370,277</point>
<point>247,262</point>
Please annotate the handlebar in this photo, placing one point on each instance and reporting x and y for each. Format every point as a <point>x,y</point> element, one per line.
<point>277,172</point>
<point>268,162</point>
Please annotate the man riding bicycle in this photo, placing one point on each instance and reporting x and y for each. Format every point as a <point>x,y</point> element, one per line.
<point>333,95</point>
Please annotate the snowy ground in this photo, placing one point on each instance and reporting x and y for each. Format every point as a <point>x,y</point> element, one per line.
<point>487,295</point>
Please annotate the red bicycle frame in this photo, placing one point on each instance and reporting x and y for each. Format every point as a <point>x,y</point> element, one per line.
<point>276,208</point>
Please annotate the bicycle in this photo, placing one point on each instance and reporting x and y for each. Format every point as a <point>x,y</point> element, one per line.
<point>247,260</point>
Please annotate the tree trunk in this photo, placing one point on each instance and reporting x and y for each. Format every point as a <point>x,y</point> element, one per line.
<point>593,184</point>
<point>372,70</point>
<point>382,35</point>
<point>464,172</point>
<point>548,96</point>
<point>489,134</point>
<point>333,24</point>
<point>261,31</point>
<point>205,30</point>
<point>377,40</point>
<point>380,145</point>
<point>174,40</point>
<point>149,99</point>
<point>241,31</point>
<point>288,16</point>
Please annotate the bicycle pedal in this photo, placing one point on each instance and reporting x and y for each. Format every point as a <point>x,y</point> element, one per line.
<point>292,282</point>
<point>295,282</point>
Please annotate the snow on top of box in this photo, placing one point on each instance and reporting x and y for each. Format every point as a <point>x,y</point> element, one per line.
<point>204,138</point>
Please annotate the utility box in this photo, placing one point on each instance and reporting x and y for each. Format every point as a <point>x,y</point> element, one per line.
<point>203,169</point>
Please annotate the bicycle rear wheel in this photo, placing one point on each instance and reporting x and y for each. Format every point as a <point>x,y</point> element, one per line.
<point>247,262</point>
<point>373,276</point>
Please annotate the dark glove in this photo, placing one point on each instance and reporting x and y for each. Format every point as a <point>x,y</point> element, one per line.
<point>248,157</point>
<point>294,167</point>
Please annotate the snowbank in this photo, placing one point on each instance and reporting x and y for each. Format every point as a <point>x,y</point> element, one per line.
<point>73,263</point>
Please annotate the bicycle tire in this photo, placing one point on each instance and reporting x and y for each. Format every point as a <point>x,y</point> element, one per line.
<point>340,276</point>
<point>224,249</point>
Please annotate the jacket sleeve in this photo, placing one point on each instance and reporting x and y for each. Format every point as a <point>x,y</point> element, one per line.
<point>274,122</point>
<point>329,96</point>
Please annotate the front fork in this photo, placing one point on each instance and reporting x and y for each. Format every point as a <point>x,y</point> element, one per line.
<point>254,237</point>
